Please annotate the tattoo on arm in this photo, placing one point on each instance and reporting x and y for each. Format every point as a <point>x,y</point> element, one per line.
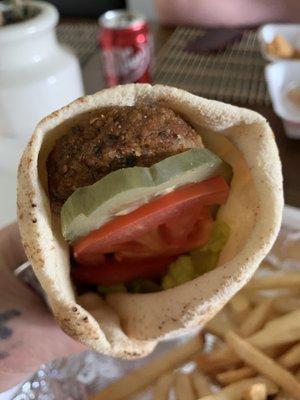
<point>3,354</point>
<point>6,331</point>
<point>5,316</point>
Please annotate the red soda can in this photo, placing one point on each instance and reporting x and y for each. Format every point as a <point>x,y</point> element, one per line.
<point>126,43</point>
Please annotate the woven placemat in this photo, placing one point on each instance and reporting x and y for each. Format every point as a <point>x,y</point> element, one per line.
<point>235,75</point>
<point>80,36</point>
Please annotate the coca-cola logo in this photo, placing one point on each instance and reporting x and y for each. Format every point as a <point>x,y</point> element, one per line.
<point>128,63</point>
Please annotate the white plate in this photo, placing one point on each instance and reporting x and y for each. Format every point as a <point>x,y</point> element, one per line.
<point>282,76</point>
<point>266,34</point>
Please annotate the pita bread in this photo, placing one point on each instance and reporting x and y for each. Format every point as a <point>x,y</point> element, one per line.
<point>126,325</point>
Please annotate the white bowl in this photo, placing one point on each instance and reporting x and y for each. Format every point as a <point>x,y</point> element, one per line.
<point>281,77</point>
<point>291,32</point>
<point>37,74</point>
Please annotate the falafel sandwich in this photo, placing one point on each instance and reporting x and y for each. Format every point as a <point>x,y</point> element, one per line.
<point>143,209</point>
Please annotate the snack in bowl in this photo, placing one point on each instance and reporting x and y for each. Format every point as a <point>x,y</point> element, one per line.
<point>143,209</point>
<point>282,48</point>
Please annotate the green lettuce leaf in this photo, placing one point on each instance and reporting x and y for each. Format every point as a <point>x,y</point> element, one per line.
<point>199,261</point>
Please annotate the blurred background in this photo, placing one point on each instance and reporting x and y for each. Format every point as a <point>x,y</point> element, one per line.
<point>245,52</point>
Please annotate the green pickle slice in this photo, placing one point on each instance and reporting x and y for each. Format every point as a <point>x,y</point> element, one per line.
<point>123,190</point>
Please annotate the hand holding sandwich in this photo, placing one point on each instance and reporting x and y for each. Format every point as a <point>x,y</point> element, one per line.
<point>29,335</point>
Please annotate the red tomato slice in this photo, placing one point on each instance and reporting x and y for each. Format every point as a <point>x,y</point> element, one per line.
<point>179,230</point>
<point>113,272</point>
<point>172,232</point>
<point>157,243</point>
<point>147,218</point>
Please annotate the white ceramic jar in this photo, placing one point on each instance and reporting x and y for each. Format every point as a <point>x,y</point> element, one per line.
<point>37,74</point>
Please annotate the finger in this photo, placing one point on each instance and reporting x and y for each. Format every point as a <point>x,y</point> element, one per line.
<point>11,249</point>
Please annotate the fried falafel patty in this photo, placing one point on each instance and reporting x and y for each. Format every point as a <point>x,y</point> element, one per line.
<point>112,138</point>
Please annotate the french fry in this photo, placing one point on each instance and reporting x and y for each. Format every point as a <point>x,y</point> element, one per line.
<point>234,375</point>
<point>144,376</point>
<point>276,295</point>
<point>276,281</point>
<point>286,304</point>
<point>224,358</point>
<point>239,306</point>
<point>217,359</point>
<point>256,318</point>
<point>283,396</point>
<point>281,330</point>
<point>258,391</point>
<point>236,390</point>
<point>263,364</point>
<point>183,387</point>
<point>291,358</point>
<point>268,265</point>
<point>162,387</point>
<point>277,351</point>
<point>200,383</point>
<point>219,324</point>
